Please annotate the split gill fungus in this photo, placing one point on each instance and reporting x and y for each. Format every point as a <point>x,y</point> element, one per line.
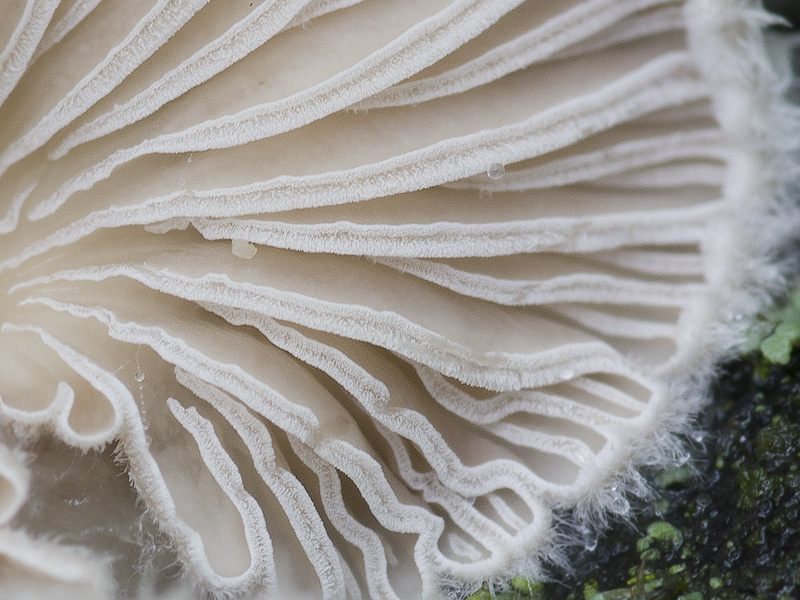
<point>365,292</point>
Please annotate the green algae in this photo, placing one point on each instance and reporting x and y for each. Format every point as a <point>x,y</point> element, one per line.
<point>785,322</point>
<point>526,588</point>
<point>483,593</point>
<point>674,478</point>
<point>664,532</point>
<point>519,588</point>
<point>730,532</point>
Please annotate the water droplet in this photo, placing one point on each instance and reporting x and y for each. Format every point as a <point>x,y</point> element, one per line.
<point>640,489</point>
<point>589,541</point>
<point>567,374</point>
<point>619,505</point>
<point>139,376</point>
<point>496,171</point>
<point>189,160</point>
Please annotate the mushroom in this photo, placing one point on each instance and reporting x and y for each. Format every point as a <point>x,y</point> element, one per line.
<point>365,291</point>
<point>35,568</point>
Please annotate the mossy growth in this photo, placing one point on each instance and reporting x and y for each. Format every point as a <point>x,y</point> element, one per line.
<point>730,532</point>
<point>519,588</point>
<point>783,326</point>
<point>730,529</point>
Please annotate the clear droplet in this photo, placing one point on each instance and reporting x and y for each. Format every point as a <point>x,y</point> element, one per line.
<point>189,160</point>
<point>589,540</point>
<point>639,487</point>
<point>619,505</point>
<point>139,376</point>
<point>496,171</point>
